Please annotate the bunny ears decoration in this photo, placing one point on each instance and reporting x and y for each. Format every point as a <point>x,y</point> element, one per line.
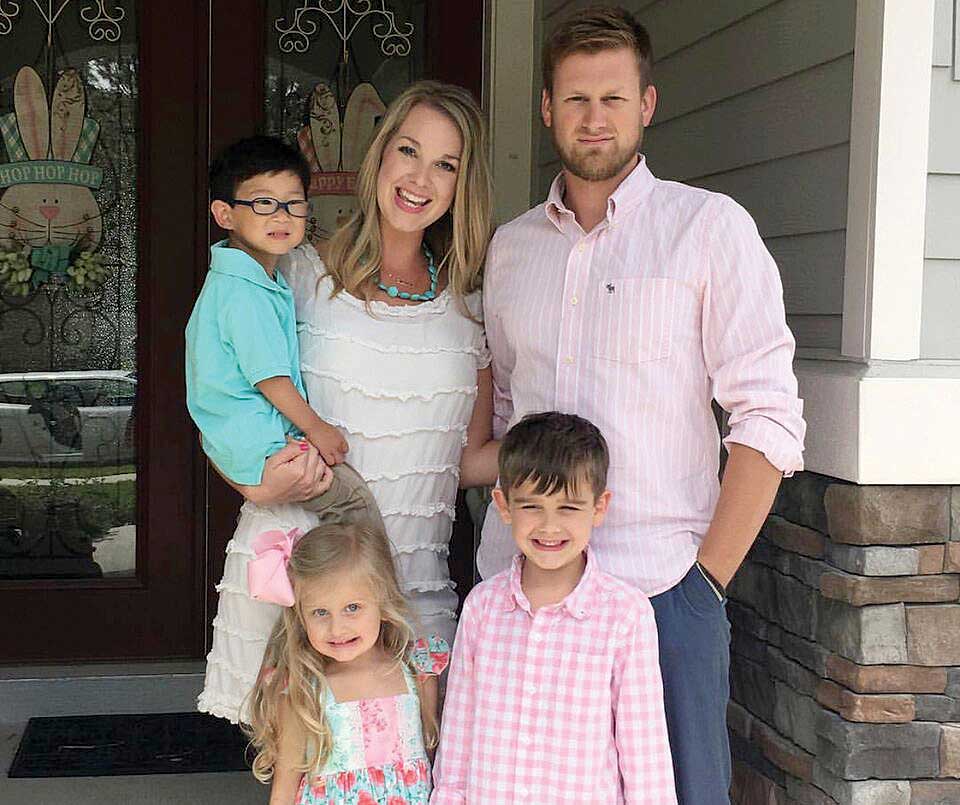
<point>52,223</point>
<point>335,148</point>
<point>49,145</point>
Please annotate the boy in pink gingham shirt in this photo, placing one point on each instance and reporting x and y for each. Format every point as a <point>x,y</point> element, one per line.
<point>554,693</point>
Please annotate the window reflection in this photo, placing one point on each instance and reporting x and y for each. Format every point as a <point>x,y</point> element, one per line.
<point>68,332</point>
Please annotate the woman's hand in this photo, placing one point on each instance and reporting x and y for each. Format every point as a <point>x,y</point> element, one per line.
<point>292,474</point>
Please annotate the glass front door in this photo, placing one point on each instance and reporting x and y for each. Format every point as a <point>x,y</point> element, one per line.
<point>100,546</point>
<point>112,528</point>
<point>68,294</point>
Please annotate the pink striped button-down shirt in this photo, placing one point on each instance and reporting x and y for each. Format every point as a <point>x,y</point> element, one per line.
<point>669,302</point>
<point>564,704</point>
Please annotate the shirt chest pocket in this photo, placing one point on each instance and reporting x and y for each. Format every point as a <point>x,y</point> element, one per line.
<point>636,319</point>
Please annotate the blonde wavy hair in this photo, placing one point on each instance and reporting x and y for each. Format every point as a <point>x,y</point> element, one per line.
<point>458,239</point>
<point>293,670</point>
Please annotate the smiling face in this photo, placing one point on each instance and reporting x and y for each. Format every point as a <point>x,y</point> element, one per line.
<point>597,112</point>
<point>418,172</point>
<point>552,530</point>
<point>264,237</point>
<point>341,615</point>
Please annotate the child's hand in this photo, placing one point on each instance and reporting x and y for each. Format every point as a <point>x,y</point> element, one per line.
<point>329,442</point>
<point>326,480</point>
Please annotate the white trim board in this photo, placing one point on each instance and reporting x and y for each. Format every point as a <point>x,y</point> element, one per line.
<point>889,141</point>
<point>882,424</point>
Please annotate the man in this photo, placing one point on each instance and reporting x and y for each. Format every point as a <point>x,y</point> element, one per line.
<point>634,302</point>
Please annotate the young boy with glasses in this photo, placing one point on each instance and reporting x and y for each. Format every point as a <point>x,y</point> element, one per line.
<point>244,389</point>
<point>246,395</point>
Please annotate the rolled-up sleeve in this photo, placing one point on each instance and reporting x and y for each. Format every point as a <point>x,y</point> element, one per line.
<point>747,345</point>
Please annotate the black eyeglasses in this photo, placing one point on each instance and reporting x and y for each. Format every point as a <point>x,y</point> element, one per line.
<point>298,207</point>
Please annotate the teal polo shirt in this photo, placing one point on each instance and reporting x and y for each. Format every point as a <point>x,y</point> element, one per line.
<point>242,330</point>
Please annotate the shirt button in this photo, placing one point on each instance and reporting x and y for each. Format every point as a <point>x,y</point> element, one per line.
<point>581,247</point>
<point>568,359</point>
<point>531,689</point>
<point>522,791</point>
<point>574,300</point>
<point>537,637</point>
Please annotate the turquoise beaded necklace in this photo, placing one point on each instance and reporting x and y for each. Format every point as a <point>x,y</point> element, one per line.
<point>394,292</point>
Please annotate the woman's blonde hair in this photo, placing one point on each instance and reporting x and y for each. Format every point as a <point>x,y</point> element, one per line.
<point>458,239</point>
<point>294,670</point>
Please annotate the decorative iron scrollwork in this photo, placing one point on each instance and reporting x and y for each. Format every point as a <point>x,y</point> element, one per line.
<point>345,16</point>
<point>103,24</point>
<point>8,13</point>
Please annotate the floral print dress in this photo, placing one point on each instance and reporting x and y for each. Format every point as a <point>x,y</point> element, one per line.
<point>378,755</point>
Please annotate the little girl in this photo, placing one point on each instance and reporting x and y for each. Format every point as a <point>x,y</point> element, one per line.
<point>346,704</point>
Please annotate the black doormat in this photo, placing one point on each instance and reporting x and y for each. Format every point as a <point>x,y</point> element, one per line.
<point>98,746</point>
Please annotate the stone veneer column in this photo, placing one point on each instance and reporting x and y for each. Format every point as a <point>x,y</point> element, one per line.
<point>845,655</point>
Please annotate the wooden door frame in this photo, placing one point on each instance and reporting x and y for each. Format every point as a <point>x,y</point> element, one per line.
<point>236,110</point>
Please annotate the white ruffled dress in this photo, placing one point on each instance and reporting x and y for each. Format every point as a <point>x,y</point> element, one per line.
<point>400,383</point>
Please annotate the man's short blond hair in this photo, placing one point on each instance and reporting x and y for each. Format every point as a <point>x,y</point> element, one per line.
<point>594,30</point>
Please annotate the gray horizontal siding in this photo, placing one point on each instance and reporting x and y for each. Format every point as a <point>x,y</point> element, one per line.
<point>816,332</point>
<point>940,330</point>
<point>798,195</point>
<point>768,123</point>
<point>943,217</point>
<point>941,301</point>
<point>767,46</point>
<point>812,270</point>
<point>943,33</point>
<point>944,156</point>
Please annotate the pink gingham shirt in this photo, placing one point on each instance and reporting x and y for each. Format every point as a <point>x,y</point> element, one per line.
<point>564,704</point>
<point>670,301</point>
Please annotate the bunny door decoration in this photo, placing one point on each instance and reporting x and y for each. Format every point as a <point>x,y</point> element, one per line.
<point>334,150</point>
<point>48,212</point>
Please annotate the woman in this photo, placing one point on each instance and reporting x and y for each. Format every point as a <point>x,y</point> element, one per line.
<point>393,354</point>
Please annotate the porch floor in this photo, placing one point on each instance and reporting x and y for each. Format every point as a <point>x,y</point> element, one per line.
<point>235,788</point>
<point>167,687</point>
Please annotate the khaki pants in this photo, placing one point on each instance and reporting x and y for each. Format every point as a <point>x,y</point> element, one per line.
<point>348,500</point>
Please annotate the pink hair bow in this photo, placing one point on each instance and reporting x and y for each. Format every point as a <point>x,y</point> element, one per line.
<point>267,577</point>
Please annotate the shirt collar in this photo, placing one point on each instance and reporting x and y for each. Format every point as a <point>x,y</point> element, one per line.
<point>578,604</point>
<point>224,259</point>
<point>631,191</point>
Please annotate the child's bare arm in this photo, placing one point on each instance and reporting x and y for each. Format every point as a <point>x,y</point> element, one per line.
<point>429,687</point>
<point>284,396</point>
<point>286,776</point>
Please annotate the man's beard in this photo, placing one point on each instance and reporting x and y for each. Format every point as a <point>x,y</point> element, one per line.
<point>596,167</point>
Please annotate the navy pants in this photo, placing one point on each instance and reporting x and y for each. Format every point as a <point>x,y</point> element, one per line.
<point>695,665</point>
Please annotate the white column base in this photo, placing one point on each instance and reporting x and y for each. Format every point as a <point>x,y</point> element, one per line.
<point>882,422</point>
